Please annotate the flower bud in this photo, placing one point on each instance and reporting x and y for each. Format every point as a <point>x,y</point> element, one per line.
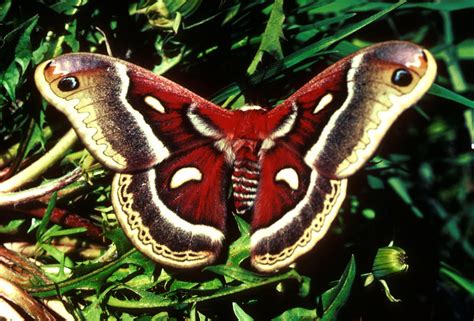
<point>389,260</point>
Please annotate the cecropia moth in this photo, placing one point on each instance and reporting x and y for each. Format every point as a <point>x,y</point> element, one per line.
<point>177,155</point>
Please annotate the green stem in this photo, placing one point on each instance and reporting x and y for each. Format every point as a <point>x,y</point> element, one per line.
<point>36,169</point>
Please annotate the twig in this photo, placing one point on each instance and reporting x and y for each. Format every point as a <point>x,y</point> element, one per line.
<point>36,192</point>
<point>33,171</point>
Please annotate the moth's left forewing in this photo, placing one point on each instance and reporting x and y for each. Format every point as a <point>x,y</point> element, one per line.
<point>129,118</point>
<point>91,90</point>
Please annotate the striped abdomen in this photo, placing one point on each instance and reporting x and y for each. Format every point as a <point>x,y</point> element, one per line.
<point>245,179</point>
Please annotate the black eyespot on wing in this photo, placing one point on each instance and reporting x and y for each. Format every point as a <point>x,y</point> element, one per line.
<point>68,83</point>
<point>402,77</point>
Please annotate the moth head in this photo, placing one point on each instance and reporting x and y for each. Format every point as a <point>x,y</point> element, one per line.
<point>397,70</point>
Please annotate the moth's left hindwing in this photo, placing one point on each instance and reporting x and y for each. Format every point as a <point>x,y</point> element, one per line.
<point>175,212</point>
<point>170,197</point>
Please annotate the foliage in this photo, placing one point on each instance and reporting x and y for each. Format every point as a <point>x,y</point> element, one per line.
<point>418,190</point>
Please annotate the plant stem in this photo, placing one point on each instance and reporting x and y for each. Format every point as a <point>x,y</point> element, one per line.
<point>35,170</point>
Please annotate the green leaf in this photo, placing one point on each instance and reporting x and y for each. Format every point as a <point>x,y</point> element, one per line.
<point>68,7</point>
<point>240,313</point>
<point>300,314</point>
<point>45,220</point>
<point>439,91</point>
<point>456,277</point>
<point>12,226</point>
<point>271,37</point>
<point>120,240</point>
<point>71,38</point>
<point>179,284</point>
<point>469,117</point>
<point>369,213</point>
<point>63,260</point>
<point>305,286</point>
<point>335,298</point>
<point>307,52</point>
<point>23,54</point>
<point>4,8</point>
<point>310,50</point>
<point>236,273</point>
<point>442,5</point>
<point>375,182</point>
<point>465,49</point>
<point>239,250</point>
<point>56,231</point>
<point>400,187</point>
<point>148,300</point>
<point>92,280</point>
<point>213,284</point>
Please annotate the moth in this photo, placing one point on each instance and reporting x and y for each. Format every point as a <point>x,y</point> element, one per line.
<point>177,155</point>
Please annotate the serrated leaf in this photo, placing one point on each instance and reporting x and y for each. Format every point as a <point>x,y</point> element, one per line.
<point>236,273</point>
<point>120,240</point>
<point>179,284</point>
<point>59,256</point>
<point>91,280</point>
<point>213,284</point>
<point>23,54</point>
<point>188,297</point>
<point>271,37</point>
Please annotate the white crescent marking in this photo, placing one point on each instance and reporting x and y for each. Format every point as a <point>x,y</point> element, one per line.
<point>177,221</point>
<point>184,175</point>
<point>155,104</point>
<point>289,176</point>
<point>323,103</point>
